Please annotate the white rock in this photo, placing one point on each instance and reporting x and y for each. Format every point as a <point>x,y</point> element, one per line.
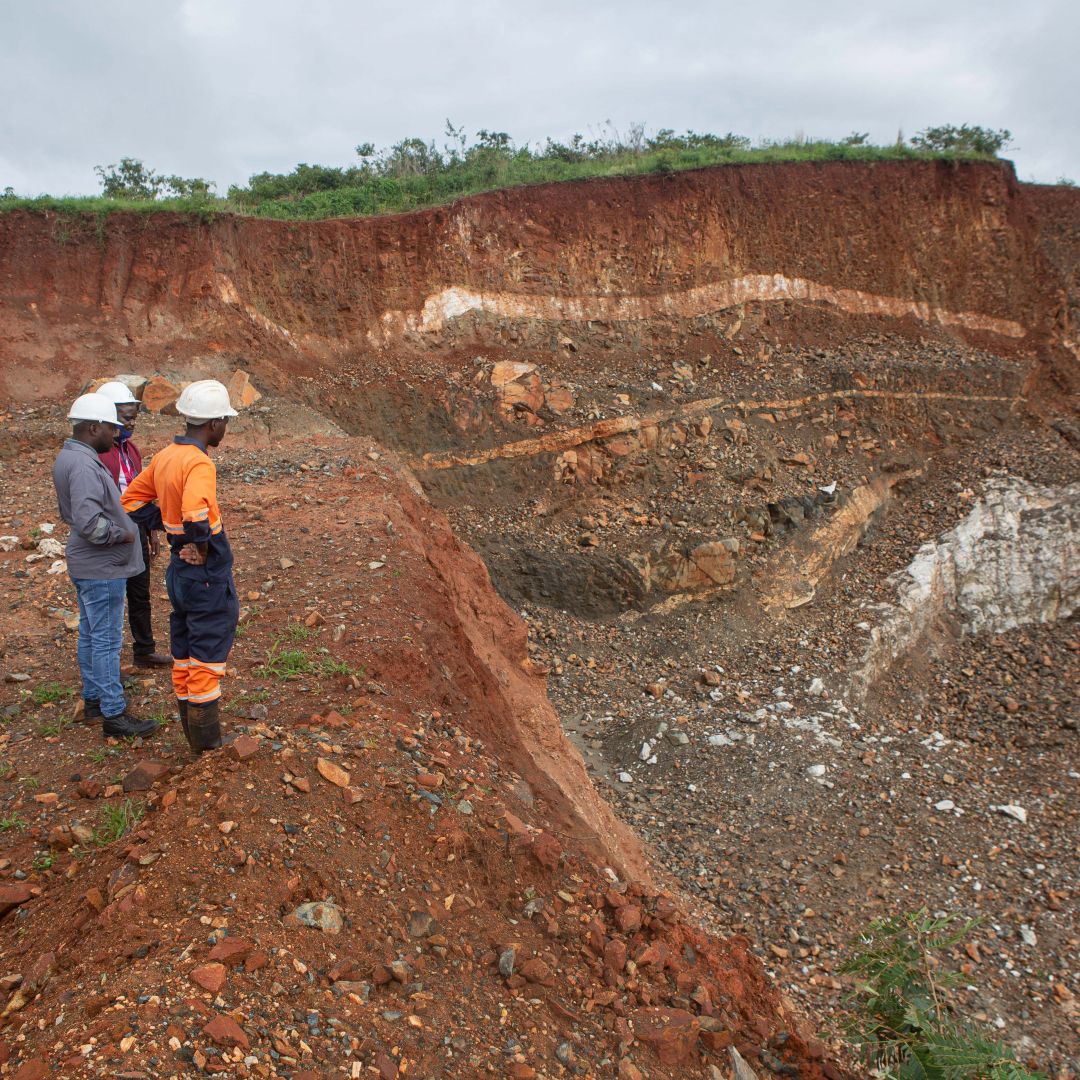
<point>8,543</point>
<point>816,688</point>
<point>625,778</point>
<point>1027,936</point>
<point>1005,565</point>
<point>646,751</point>
<point>816,771</point>
<point>719,740</point>
<point>58,567</point>
<point>49,548</point>
<point>1013,811</point>
<point>945,804</point>
<point>46,528</point>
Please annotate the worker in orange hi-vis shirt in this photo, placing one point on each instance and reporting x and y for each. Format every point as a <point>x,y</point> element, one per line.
<point>182,481</point>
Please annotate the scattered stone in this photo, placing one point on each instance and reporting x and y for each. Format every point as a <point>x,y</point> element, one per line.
<point>225,1031</point>
<point>245,746</point>
<point>210,977</point>
<point>670,1033</point>
<point>332,772</point>
<point>739,1069</point>
<point>506,962</point>
<point>422,925</point>
<point>144,775</point>
<point>11,896</point>
<point>321,915</point>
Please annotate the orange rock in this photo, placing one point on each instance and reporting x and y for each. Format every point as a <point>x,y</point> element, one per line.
<point>209,976</point>
<point>159,395</point>
<point>241,391</point>
<point>559,400</point>
<point>670,1033</point>
<point>225,1031</point>
<point>34,1069</point>
<point>335,774</point>
<point>231,951</point>
<point>508,371</point>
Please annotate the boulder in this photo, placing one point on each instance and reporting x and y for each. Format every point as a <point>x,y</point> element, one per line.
<point>159,396</point>
<point>242,392</point>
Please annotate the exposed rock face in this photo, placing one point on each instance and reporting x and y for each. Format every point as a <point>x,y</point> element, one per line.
<point>921,244</point>
<point>1014,559</point>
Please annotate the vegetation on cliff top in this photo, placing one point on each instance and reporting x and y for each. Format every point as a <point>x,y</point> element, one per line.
<point>414,174</point>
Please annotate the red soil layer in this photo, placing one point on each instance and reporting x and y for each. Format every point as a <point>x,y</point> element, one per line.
<point>304,295</point>
<point>442,809</point>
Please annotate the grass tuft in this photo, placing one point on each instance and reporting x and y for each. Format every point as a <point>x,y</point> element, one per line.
<point>117,820</point>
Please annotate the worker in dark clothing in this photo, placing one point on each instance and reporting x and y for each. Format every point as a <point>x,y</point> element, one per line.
<point>182,480</point>
<point>101,555</point>
<point>124,461</point>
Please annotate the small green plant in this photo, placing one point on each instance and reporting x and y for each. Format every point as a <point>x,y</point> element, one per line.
<point>7,770</point>
<point>44,860</point>
<point>54,727</point>
<point>329,666</point>
<point>900,1014</point>
<point>161,716</point>
<point>103,752</point>
<point>299,632</point>
<point>287,663</point>
<point>51,693</point>
<point>117,820</point>
<point>31,782</point>
<point>12,822</point>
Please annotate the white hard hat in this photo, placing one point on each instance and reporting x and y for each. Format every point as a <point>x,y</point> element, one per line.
<point>117,393</point>
<point>206,399</point>
<point>94,407</point>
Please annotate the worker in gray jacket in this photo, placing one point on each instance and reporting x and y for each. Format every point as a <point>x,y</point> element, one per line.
<point>102,554</point>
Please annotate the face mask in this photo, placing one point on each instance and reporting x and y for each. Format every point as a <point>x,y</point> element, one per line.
<point>124,435</point>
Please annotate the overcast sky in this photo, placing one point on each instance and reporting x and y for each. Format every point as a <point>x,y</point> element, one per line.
<point>225,88</point>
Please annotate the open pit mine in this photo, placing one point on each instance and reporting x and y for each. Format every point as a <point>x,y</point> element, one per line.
<point>645,585</point>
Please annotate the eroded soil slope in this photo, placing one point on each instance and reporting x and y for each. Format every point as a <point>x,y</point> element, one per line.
<point>401,770</point>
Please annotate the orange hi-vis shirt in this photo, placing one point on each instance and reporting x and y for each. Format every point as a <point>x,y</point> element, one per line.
<point>182,480</point>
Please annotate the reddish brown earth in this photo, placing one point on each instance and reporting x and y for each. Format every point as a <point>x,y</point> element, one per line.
<point>698,348</point>
<point>422,784</point>
<point>308,297</point>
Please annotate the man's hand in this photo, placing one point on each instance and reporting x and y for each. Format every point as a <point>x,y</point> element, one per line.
<point>155,544</point>
<point>128,539</point>
<point>190,553</point>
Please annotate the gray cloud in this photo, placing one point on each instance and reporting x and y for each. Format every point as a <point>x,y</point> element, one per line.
<point>226,88</point>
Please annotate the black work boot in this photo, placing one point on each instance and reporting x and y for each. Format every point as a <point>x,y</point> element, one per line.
<point>126,726</point>
<point>181,708</point>
<point>204,726</point>
<point>91,710</point>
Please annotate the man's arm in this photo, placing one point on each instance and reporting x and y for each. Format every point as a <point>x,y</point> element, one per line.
<point>89,512</point>
<point>199,495</point>
<point>140,491</point>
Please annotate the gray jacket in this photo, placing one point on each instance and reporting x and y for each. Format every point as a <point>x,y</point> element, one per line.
<point>89,502</point>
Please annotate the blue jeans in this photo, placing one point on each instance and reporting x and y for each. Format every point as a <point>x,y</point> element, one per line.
<point>101,633</point>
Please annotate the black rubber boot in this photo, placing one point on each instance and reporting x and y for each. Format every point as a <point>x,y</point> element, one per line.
<point>91,710</point>
<point>181,708</point>
<point>204,726</point>
<point>126,726</point>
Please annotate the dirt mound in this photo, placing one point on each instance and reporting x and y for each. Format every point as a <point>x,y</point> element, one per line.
<point>400,814</point>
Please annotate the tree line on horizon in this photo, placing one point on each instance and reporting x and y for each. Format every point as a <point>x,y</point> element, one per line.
<point>414,173</point>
